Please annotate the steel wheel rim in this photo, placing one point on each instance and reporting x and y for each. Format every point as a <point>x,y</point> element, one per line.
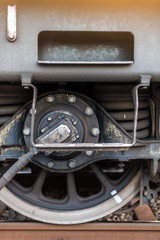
<point>97,206</point>
<point>71,217</point>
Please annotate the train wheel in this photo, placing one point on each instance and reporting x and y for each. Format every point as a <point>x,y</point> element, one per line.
<point>75,197</point>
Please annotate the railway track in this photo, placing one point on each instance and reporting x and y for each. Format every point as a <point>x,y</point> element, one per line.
<point>96,231</point>
<point>145,227</point>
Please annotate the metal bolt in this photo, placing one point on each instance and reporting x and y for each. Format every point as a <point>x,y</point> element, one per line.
<point>77,136</point>
<point>50,164</point>
<point>95,132</point>
<point>74,122</point>
<point>11,36</point>
<point>71,99</point>
<point>74,138</point>
<point>26,131</point>
<point>31,111</point>
<point>145,193</point>
<point>89,153</point>
<point>49,119</point>
<point>152,200</point>
<point>72,164</point>
<point>88,111</point>
<point>50,99</point>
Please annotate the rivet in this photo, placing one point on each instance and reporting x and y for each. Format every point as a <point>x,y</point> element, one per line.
<point>50,164</point>
<point>72,164</point>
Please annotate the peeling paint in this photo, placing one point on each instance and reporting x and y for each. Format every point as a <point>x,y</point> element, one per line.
<point>4,131</point>
<point>111,131</point>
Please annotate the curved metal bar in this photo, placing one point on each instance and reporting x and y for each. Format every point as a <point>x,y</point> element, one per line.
<point>144,82</point>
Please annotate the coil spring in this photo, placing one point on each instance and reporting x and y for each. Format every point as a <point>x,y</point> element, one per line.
<point>118,101</point>
<point>12,98</point>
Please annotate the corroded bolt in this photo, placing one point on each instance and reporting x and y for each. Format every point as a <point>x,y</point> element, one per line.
<point>72,164</point>
<point>95,132</point>
<point>89,153</point>
<point>26,131</point>
<point>71,99</point>
<point>88,111</point>
<point>49,119</point>
<point>50,99</point>
<point>50,164</point>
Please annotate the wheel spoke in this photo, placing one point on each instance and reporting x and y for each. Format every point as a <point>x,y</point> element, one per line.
<point>106,183</point>
<point>71,187</point>
<point>37,187</point>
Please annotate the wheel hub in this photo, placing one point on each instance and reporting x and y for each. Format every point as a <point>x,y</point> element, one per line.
<point>63,118</point>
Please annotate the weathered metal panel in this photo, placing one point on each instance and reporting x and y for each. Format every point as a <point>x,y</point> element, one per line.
<point>139,17</point>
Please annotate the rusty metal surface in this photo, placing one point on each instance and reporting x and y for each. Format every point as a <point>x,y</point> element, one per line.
<point>144,213</point>
<point>95,231</point>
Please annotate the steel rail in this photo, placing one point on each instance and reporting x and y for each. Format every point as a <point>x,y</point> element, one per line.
<point>96,231</point>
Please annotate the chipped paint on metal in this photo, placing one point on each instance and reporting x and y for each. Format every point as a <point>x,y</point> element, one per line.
<point>4,131</point>
<point>112,132</point>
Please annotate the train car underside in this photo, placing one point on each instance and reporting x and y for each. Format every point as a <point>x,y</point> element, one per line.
<point>79,107</point>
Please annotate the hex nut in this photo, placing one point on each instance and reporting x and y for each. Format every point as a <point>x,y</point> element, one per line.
<point>95,132</point>
<point>72,99</point>
<point>88,111</point>
<point>26,131</point>
<point>72,164</point>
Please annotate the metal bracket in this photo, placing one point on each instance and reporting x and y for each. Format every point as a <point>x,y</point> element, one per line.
<point>145,82</point>
<point>11,23</point>
<point>147,195</point>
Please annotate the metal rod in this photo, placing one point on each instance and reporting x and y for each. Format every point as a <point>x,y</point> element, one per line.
<point>16,167</point>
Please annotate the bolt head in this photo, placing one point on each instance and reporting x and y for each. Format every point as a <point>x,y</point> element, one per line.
<point>11,36</point>
<point>88,111</point>
<point>95,132</point>
<point>49,119</point>
<point>72,164</point>
<point>145,193</point>
<point>50,99</point>
<point>89,153</point>
<point>31,111</point>
<point>152,201</point>
<point>50,164</point>
<point>72,99</point>
<point>26,131</point>
<point>74,122</point>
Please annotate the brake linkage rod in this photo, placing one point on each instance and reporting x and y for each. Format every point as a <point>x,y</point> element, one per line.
<point>17,166</point>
